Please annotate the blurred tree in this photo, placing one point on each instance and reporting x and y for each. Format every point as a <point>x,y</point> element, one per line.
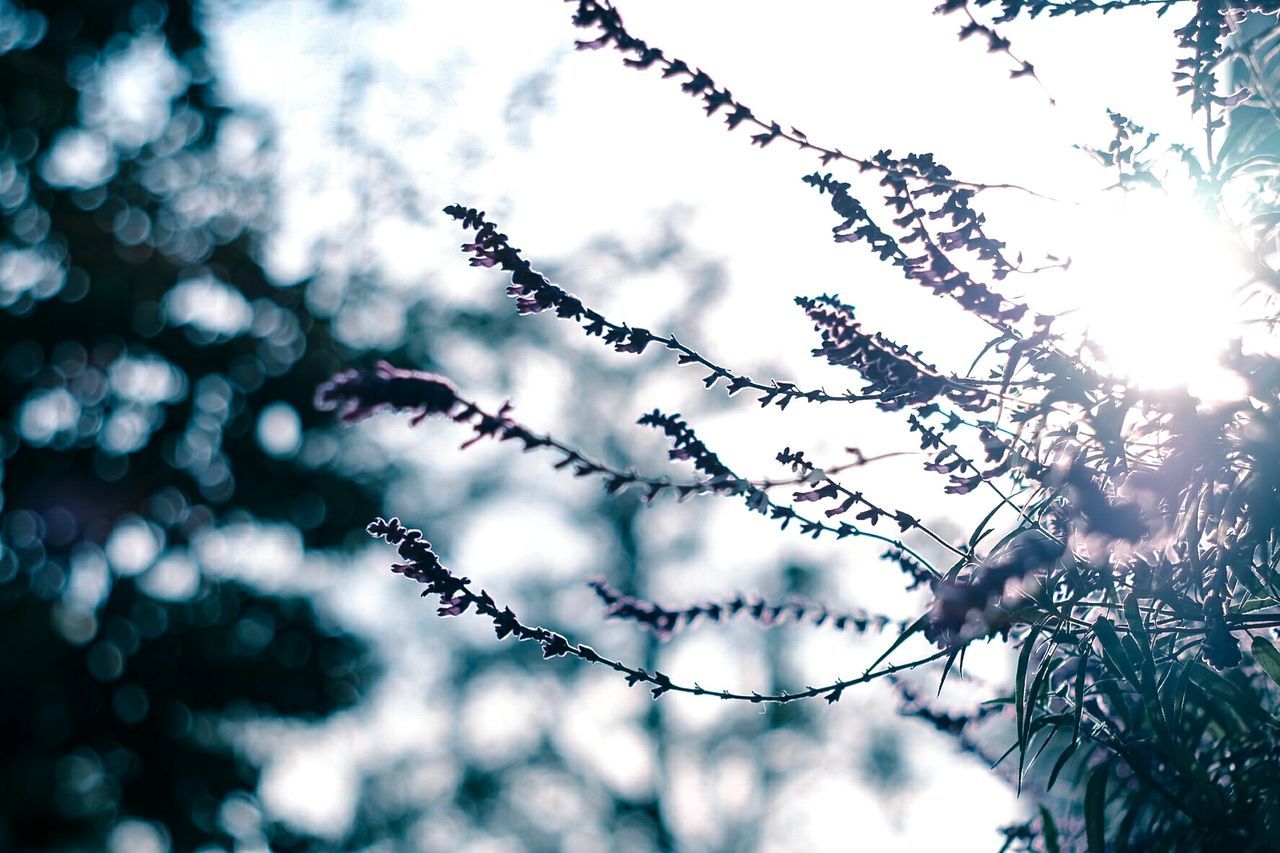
<point>153,386</point>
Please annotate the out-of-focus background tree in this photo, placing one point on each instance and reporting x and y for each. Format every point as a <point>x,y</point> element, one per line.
<point>154,413</point>
<point>206,211</point>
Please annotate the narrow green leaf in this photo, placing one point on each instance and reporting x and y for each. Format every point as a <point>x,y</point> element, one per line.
<point>1056,720</point>
<point>1049,830</point>
<point>1244,573</point>
<point>1062,762</point>
<point>1037,687</point>
<point>902,638</point>
<point>1132,651</point>
<point>1113,653</point>
<point>1044,744</point>
<point>1174,694</point>
<point>946,670</point>
<point>1179,603</point>
<point>1133,812</point>
<point>1137,644</point>
<point>980,532</point>
<point>1116,699</point>
<point>1218,709</point>
<point>1077,698</point>
<point>1095,802</point>
<point>1264,652</point>
<point>1241,701</point>
<point>1019,695</point>
<point>1133,616</point>
<point>1003,756</point>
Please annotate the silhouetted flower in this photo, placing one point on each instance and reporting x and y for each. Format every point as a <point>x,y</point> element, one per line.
<point>357,394</point>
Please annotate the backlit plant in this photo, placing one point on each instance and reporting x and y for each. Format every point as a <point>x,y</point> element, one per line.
<point>1138,578</point>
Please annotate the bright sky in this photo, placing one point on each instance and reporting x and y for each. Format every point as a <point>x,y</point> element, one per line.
<point>490,106</point>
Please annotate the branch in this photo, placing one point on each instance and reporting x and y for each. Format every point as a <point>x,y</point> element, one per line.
<point>604,18</point>
<point>996,43</point>
<point>534,293</point>
<point>665,622</point>
<point>357,394</point>
<point>421,564</point>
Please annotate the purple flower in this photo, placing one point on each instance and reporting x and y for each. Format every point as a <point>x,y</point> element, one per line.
<point>357,394</point>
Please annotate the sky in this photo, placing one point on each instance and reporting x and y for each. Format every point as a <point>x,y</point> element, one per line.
<point>491,107</point>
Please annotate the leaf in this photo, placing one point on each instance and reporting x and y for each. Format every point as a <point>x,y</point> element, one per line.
<point>1133,812</point>
<point>1019,696</point>
<point>1264,652</point>
<point>1110,687</point>
<point>1133,616</point>
<point>1062,762</point>
<point>1240,701</point>
<point>1077,697</point>
<point>902,638</point>
<point>1095,801</point>
<point>1057,721</point>
<point>946,670</point>
<point>1138,646</point>
<point>1113,654</point>
<point>1050,831</point>
<point>1255,604</point>
<point>1174,696</point>
<point>982,530</point>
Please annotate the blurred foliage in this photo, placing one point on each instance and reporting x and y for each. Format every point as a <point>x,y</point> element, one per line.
<point>121,718</point>
<point>153,384</point>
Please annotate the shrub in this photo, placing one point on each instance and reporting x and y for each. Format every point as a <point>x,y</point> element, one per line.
<point>1130,556</point>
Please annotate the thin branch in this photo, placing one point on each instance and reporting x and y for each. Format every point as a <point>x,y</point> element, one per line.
<point>421,564</point>
<point>996,43</point>
<point>604,18</point>
<point>664,622</point>
<point>534,294</point>
<point>357,394</point>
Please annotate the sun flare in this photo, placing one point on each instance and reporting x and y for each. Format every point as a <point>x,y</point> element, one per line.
<point>1154,288</point>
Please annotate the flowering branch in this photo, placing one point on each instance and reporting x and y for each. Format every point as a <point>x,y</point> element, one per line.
<point>357,394</point>
<point>996,43</point>
<point>604,18</point>
<point>420,563</point>
<point>1147,546</point>
<point>885,364</point>
<point>827,488</point>
<point>1054,8</point>
<point>534,293</point>
<point>932,269</point>
<point>665,622</point>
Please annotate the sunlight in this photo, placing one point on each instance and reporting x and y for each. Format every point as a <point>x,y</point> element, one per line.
<point>1153,286</point>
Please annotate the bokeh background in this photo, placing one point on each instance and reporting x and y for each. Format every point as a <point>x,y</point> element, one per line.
<point>207,209</point>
